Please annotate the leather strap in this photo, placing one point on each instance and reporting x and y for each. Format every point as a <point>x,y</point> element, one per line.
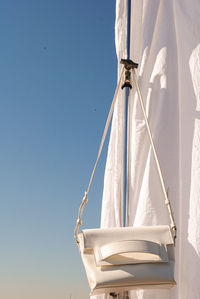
<point>167,201</point>
<point>130,251</point>
<point>85,198</point>
<point>127,246</point>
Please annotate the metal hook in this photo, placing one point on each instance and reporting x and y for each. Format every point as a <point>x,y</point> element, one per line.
<point>128,64</point>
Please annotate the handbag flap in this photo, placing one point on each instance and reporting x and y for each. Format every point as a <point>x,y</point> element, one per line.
<point>93,238</point>
<point>130,252</point>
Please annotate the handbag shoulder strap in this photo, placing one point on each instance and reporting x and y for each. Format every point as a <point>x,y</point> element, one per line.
<point>167,201</point>
<point>85,198</point>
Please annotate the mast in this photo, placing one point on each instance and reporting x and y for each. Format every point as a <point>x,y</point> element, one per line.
<point>125,162</point>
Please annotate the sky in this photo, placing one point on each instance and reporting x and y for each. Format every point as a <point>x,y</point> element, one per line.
<point>58,71</point>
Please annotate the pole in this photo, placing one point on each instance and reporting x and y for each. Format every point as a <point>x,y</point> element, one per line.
<point>125,199</point>
<point>128,65</point>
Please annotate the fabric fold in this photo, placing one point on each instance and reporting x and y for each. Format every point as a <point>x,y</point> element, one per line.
<point>165,42</point>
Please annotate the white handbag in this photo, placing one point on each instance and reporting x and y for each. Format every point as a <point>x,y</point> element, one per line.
<point>127,258</point>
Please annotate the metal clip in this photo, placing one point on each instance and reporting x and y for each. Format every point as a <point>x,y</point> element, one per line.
<point>128,64</point>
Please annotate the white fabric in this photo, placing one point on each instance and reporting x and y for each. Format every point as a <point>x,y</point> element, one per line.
<point>112,205</point>
<point>165,41</point>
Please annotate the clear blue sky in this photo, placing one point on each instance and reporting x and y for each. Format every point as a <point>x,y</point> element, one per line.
<point>58,72</point>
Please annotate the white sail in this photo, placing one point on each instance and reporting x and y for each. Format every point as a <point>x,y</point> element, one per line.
<point>165,41</point>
